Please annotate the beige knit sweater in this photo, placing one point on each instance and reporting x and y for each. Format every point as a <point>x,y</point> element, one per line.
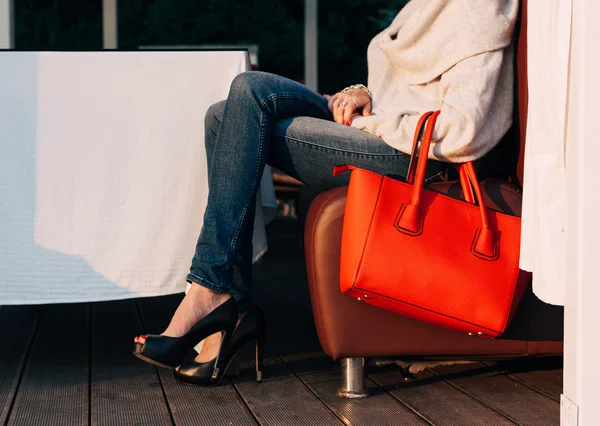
<point>451,55</point>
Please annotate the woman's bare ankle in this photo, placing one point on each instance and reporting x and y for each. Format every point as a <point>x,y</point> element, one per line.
<point>205,293</point>
<point>197,303</point>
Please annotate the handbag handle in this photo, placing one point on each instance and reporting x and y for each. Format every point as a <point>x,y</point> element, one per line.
<point>462,171</point>
<point>471,175</point>
<point>410,218</point>
<point>465,184</point>
<point>410,177</point>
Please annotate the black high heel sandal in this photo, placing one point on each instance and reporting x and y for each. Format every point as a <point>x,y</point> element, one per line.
<point>169,352</point>
<point>210,373</point>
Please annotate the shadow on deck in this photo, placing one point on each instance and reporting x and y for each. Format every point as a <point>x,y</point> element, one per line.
<point>72,364</point>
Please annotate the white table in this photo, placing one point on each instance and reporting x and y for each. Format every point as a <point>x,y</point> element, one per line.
<point>103,171</point>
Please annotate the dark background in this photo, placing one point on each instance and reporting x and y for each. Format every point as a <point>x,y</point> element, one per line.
<point>345,29</point>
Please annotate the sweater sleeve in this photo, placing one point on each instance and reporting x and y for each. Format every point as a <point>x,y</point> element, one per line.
<point>476,110</point>
<point>474,106</point>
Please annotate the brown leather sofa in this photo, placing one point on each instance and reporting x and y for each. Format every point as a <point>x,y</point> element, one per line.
<point>351,330</point>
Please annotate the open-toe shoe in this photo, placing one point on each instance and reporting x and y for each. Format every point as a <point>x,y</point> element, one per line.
<point>251,327</point>
<point>169,352</point>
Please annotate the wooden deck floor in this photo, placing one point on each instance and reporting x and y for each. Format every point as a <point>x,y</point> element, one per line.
<point>72,365</point>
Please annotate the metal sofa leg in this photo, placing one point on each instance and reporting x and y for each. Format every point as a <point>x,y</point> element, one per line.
<point>353,379</point>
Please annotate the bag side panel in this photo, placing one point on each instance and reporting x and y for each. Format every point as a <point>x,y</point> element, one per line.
<point>363,193</point>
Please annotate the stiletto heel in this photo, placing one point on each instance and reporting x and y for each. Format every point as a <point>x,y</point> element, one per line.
<point>221,361</point>
<point>260,355</point>
<point>251,327</point>
<point>168,352</point>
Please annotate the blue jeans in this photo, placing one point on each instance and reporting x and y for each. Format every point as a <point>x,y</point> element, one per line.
<point>270,119</point>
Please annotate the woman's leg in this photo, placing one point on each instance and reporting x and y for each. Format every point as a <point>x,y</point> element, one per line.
<point>241,286</point>
<point>308,148</point>
<point>241,283</point>
<point>255,102</point>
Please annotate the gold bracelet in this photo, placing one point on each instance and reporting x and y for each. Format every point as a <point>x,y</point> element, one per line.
<point>358,86</point>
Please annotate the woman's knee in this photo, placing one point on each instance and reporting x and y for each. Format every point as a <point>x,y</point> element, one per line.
<point>214,115</point>
<point>212,121</point>
<point>250,82</point>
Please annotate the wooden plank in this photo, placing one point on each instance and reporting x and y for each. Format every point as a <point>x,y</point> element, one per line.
<point>54,387</point>
<point>124,390</point>
<point>544,375</point>
<point>379,409</point>
<point>508,397</point>
<point>284,401</point>
<point>18,325</point>
<point>192,405</point>
<point>436,401</point>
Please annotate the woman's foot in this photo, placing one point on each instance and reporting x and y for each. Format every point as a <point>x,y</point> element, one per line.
<point>211,346</point>
<point>205,370</point>
<point>197,303</point>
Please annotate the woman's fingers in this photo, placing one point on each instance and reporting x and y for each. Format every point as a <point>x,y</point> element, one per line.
<point>366,111</point>
<point>331,101</point>
<point>339,107</point>
<point>349,111</point>
<point>344,106</point>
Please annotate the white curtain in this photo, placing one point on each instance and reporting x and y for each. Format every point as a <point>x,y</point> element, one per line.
<point>544,232</point>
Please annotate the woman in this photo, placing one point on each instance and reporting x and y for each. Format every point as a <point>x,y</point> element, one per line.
<point>452,55</point>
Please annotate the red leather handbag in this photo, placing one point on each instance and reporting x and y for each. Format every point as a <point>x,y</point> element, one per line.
<point>422,254</point>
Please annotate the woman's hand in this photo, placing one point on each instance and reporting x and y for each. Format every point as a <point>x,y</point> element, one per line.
<point>353,102</point>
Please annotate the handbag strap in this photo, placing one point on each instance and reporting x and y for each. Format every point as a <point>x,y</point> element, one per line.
<point>470,171</point>
<point>410,177</point>
<point>410,218</point>
<point>462,171</point>
<point>465,184</point>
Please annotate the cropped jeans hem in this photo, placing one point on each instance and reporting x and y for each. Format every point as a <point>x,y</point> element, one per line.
<point>241,301</point>
<point>195,279</point>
